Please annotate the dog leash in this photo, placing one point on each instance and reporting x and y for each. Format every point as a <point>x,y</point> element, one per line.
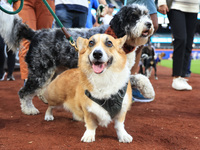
<point>13,12</point>
<point>67,35</point>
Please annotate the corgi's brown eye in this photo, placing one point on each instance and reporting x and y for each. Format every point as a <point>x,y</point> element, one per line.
<point>91,43</point>
<point>109,43</point>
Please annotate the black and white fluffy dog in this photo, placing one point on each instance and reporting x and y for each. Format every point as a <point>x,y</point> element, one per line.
<point>149,62</point>
<point>49,48</point>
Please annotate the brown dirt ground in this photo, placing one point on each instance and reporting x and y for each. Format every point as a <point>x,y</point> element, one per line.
<point>170,122</point>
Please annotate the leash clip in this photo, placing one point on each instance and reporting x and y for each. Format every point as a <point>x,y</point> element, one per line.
<point>72,43</point>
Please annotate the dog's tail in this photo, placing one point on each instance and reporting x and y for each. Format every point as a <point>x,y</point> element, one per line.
<point>12,30</point>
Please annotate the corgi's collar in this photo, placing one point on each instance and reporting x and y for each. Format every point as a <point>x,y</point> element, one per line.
<point>114,104</point>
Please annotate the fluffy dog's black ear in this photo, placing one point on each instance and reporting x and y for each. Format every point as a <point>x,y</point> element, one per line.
<point>117,23</point>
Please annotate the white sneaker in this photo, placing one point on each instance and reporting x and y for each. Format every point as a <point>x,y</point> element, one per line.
<point>181,84</point>
<point>3,76</point>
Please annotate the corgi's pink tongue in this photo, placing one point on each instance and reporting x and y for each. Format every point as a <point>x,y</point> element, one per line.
<point>98,68</point>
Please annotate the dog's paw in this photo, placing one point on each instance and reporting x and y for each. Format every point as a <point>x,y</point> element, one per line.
<point>89,136</point>
<point>125,137</point>
<point>143,84</point>
<point>30,110</point>
<point>49,118</point>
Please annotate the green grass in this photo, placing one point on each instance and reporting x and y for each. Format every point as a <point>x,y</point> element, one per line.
<point>195,65</point>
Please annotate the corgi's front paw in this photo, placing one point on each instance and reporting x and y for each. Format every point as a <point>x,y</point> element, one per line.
<point>125,137</point>
<point>89,136</point>
<point>49,118</point>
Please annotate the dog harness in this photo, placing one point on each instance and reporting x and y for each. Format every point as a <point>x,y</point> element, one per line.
<point>127,48</point>
<point>113,104</point>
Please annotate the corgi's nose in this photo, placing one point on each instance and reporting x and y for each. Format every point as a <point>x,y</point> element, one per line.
<point>97,54</point>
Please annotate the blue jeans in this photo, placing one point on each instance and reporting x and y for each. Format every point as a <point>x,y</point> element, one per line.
<point>71,19</point>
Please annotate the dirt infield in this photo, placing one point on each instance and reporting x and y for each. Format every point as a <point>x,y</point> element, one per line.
<point>170,122</point>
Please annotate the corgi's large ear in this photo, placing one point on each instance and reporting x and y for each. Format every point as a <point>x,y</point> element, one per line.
<point>121,41</point>
<point>81,43</point>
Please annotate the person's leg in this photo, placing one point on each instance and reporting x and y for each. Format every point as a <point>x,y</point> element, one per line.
<point>134,69</point>
<point>141,67</point>
<point>44,18</point>
<point>79,20</point>
<point>191,21</point>
<point>67,19</point>
<point>10,64</point>
<point>2,58</point>
<point>178,27</point>
<point>64,16</point>
<point>188,73</point>
<point>154,19</point>
<point>28,16</point>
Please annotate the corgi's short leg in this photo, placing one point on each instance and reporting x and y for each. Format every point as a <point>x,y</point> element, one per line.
<point>91,125</point>
<point>49,114</point>
<point>88,136</point>
<point>122,135</point>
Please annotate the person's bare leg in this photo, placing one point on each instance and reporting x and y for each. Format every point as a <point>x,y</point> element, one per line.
<point>134,69</point>
<point>154,19</point>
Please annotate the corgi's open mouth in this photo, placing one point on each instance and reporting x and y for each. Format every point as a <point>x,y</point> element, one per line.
<point>98,67</point>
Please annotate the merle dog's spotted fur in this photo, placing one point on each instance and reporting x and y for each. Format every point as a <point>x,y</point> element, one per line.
<point>50,49</point>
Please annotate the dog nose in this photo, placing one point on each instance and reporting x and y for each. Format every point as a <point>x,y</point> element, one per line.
<point>148,24</point>
<point>97,54</point>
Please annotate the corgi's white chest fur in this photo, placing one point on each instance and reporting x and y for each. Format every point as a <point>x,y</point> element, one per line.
<point>109,83</point>
<point>105,85</point>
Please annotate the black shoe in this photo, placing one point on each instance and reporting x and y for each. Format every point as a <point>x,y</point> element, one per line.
<point>10,78</point>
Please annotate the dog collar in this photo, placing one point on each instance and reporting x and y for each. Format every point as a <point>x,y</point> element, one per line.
<point>113,104</point>
<point>127,48</point>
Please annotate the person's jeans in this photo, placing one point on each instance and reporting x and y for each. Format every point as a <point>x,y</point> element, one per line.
<point>71,19</point>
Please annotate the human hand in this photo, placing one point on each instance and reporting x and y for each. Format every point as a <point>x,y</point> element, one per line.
<point>163,9</point>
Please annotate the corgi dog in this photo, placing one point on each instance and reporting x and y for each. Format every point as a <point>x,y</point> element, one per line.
<point>98,91</point>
